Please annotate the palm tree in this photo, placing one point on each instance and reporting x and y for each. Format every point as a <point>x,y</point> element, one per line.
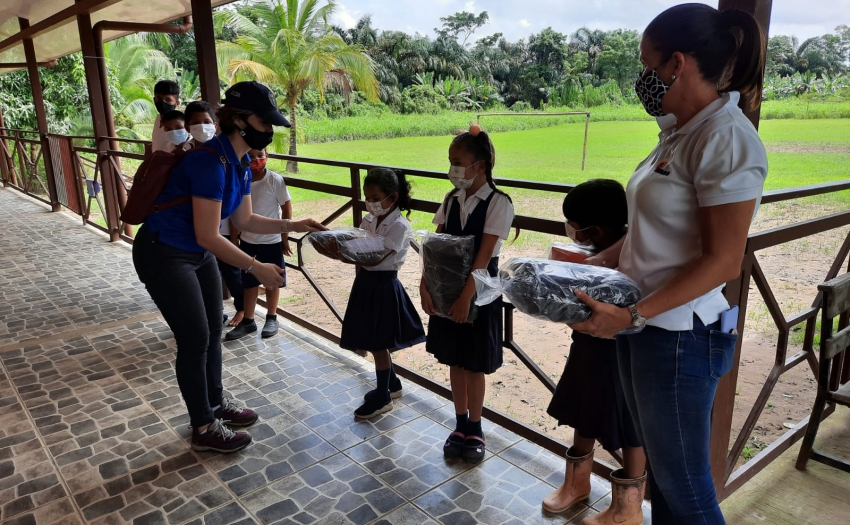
<point>289,45</point>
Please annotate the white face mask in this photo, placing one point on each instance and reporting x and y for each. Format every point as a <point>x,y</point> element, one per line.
<point>457,175</point>
<point>377,209</point>
<point>177,136</point>
<point>202,132</point>
<point>571,233</point>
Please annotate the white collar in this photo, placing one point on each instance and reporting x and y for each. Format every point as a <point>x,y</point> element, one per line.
<point>483,193</point>
<point>667,123</point>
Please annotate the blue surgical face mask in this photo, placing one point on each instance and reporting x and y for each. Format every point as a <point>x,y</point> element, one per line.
<point>177,136</point>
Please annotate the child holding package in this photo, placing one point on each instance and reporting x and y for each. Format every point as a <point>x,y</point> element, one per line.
<point>475,208</point>
<point>269,198</point>
<point>589,396</point>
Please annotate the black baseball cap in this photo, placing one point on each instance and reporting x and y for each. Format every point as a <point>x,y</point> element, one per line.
<point>256,98</point>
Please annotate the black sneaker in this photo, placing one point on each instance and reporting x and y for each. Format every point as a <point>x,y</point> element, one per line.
<point>395,390</point>
<point>453,448</point>
<point>220,439</point>
<point>270,328</point>
<point>224,319</point>
<point>372,408</point>
<point>242,329</point>
<point>473,449</point>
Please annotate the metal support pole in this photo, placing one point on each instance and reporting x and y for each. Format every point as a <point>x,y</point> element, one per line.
<point>205,50</point>
<point>584,148</point>
<point>98,113</point>
<point>41,118</point>
<point>760,9</point>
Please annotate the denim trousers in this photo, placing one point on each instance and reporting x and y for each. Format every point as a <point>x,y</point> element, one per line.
<point>186,288</point>
<point>669,379</point>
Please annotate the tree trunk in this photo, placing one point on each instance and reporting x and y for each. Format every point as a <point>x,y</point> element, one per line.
<point>292,166</point>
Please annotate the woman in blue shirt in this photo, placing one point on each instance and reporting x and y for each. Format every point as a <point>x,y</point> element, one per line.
<point>175,257</point>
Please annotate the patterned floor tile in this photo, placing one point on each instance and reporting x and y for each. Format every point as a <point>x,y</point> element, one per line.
<point>28,481</point>
<point>281,446</point>
<point>172,491</point>
<point>409,458</point>
<point>335,491</point>
<point>406,515</point>
<point>24,320</point>
<point>492,493</point>
<point>59,512</point>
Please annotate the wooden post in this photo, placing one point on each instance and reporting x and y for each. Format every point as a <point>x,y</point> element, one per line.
<point>205,50</point>
<point>5,174</point>
<point>98,113</point>
<point>760,9</point>
<point>41,118</point>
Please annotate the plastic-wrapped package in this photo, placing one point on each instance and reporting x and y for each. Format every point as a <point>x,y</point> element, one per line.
<point>446,263</point>
<point>545,289</point>
<point>573,253</point>
<point>356,245</point>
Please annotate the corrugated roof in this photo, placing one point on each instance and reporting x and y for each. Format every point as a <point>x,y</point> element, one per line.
<point>63,39</point>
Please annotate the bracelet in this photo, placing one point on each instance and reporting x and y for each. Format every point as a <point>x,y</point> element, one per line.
<point>251,266</point>
<point>284,225</point>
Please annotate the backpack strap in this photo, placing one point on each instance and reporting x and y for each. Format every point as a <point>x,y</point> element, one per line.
<point>187,198</point>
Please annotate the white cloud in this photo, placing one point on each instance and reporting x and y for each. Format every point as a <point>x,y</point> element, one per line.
<point>344,17</point>
<point>469,6</point>
<point>524,23</point>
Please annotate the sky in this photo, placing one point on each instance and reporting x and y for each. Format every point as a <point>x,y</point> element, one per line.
<point>520,18</point>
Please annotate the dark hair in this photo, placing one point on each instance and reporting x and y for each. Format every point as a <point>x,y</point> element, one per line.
<point>226,116</point>
<point>199,106</point>
<point>174,114</point>
<point>166,87</point>
<point>729,45</point>
<point>598,202</point>
<point>391,181</point>
<point>482,149</point>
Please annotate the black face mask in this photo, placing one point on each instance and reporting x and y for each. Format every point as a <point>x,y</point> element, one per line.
<point>255,138</point>
<point>163,108</point>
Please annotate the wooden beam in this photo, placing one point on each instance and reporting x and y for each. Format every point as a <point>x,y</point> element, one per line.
<point>58,19</point>
<point>205,51</point>
<point>40,117</point>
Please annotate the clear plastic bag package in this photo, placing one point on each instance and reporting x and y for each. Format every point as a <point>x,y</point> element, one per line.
<point>446,263</point>
<point>573,253</point>
<point>545,289</point>
<point>356,245</point>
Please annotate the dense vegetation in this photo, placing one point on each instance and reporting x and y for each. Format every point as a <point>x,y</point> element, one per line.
<point>381,75</point>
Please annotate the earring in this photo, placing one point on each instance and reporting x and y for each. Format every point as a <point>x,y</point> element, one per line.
<point>674,77</point>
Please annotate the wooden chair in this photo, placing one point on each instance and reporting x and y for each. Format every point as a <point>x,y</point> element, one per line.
<point>833,369</point>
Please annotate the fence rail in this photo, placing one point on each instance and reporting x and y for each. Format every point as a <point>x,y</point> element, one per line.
<point>83,168</point>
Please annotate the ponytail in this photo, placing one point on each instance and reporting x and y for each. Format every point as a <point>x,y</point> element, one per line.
<point>745,70</point>
<point>729,45</point>
<point>391,181</point>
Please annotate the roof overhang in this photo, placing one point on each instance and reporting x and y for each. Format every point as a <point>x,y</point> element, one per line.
<point>53,23</point>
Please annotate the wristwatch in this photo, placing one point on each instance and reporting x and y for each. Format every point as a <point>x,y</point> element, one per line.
<point>638,321</point>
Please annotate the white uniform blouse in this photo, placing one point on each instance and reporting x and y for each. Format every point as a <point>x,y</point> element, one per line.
<point>394,229</point>
<point>499,217</point>
<point>716,158</point>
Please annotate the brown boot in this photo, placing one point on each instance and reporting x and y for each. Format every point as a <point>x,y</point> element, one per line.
<point>576,485</point>
<point>626,500</point>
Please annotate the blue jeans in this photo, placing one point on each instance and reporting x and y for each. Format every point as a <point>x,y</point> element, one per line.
<point>669,379</point>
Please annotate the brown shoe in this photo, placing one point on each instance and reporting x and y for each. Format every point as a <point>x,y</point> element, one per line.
<point>234,415</point>
<point>219,438</point>
<point>626,500</point>
<point>576,485</point>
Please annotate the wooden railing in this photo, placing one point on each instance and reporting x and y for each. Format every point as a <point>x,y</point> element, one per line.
<point>89,162</point>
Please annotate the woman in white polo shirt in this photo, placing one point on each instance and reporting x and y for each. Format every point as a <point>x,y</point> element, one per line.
<point>691,203</point>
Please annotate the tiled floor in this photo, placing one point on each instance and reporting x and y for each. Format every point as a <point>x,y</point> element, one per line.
<point>93,428</point>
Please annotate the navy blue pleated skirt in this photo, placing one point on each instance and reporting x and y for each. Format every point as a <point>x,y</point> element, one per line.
<point>380,315</point>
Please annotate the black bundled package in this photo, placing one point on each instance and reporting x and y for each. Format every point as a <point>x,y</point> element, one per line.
<point>446,264</point>
<point>545,289</point>
<point>354,244</point>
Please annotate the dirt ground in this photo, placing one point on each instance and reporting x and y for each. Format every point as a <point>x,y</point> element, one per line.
<point>793,271</point>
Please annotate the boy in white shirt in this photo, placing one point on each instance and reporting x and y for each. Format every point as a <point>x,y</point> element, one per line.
<point>269,198</point>
<point>166,97</point>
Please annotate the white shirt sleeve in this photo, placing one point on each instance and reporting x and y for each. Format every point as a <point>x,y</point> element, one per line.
<point>281,191</point>
<point>500,215</point>
<point>395,238</point>
<point>440,217</point>
<point>731,166</point>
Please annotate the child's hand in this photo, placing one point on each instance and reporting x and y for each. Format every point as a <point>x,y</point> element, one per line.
<point>425,297</point>
<point>459,312</point>
<point>286,248</point>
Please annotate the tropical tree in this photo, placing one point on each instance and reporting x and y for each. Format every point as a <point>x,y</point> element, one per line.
<point>289,45</point>
<point>462,23</point>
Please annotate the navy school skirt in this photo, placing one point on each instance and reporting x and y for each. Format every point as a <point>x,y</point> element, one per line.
<point>589,396</point>
<point>475,347</point>
<point>380,315</point>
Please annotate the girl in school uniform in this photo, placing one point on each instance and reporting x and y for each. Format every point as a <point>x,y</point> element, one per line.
<point>381,318</point>
<point>477,208</point>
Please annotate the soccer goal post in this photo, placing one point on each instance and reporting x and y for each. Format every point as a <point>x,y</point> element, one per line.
<point>586,124</point>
